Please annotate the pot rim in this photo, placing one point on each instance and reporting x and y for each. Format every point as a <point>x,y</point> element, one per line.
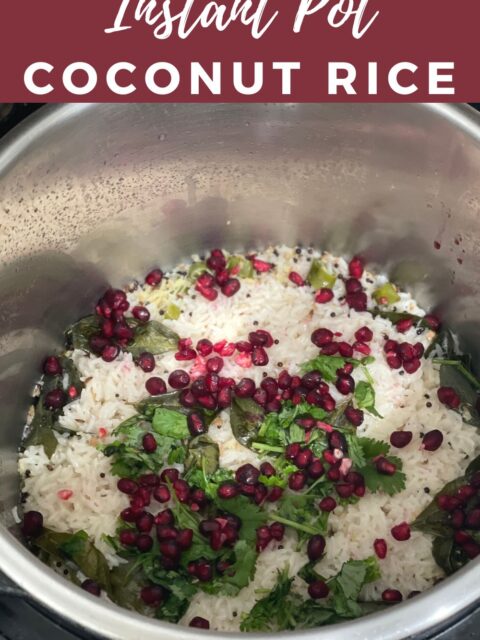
<point>428,611</point>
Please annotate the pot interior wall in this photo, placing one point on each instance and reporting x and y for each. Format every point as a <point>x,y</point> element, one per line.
<point>100,193</point>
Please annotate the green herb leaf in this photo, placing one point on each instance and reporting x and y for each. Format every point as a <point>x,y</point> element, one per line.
<point>272,612</point>
<point>171,424</point>
<point>375,481</point>
<point>365,397</point>
<point>170,400</point>
<point>453,373</point>
<point>347,584</point>
<point>126,582</point>
<point>202,453</point>
<point>249,513</point>
<point>395,316</point>
<point>241,571</point>
<point>327,365</point>
<point>78,335</point>
<point>449,556</point>
<point>153,337</point>
<point>246,417</point>
<point>318,276</point>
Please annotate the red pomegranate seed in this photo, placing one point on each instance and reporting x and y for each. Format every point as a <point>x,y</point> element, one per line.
<point>400,439</point>
<point>401,532</point>
<point>261,338</point>
<point>154,277</point>
<point>296,278</point>
<point>182,490</point>
<point>161,493</point>
<point>52,367</point>
<point>327,504</point>
<point>385,467</point>
<point>212,382</point>
<point>284,380</point>
<point>164,517</point>
<point>247,474</point>
<point>404,325</point>
<point>142,314</point>
<point>406,351</point>
<point>110,352</point>
<point>345,489</point>
<point>186,354</point>
<point>355,267</point>
<point>152,595</point>
<point>448,503</point>
<point>275,494</point>
<point>125,485</point>
<point>323,296</point>
<point>263,537</point>
<point>292,450</point>
<point>465,492</point>
<point>318,589</point>
<point>357,301</point>
<point>259,357</point>
<point>55,399</point>
<point>215,364</point>
<point>244,360</point>
<point>206,281</point>
<point>222,277</point>
<point>303,458</point>
<point>199,623</point>
<point>65,494</point>
<point>449,397</point>
<point>196,423</point>
<point>231,287</point>
<point>327,402</point>
<point>244,346</point>
<point>270,386</point>
<point>267,469</point>
<point>472,520</point>
<point>261,266</point>
<point>412,365</point>
<point>315,547</point>
<point>277,530</point>
<point>345,350</point>
<point>261,492</point>
<point>227,490</point>
<point>149,443</point>
<point>419,349</point>
<point>128,537</point>
<point>361,347</point>
<point>462,537</point>
<point>187,399</point>
<point>144,542</point>
<point>352,285</point>
<point>458,519</point>
<point>390,346</point>
<point>178,379</point>
<point>394,361</point>
<point>392,595</point>
<point>364,334</point>
<point>224,398</point>
<point>216,260</point>
<point>146,362</point>
<point>432,440</point>
<point>297,480</point>
<point>472,549</point>
<point>155,386</point>
<point>315,469</point>
<point>330,349</point>
<point>354,416</point>
<point>207,292</point>
<point>204,347</point>
<point>91,587</point>
<point>345,385</point>
<point>321,337</point>
<point>432,322</point>
<point>380,547</point>
<point>245,388</point>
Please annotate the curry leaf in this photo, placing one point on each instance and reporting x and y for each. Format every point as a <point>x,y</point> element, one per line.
<point>78,335</point>
<point>171,424</point>
<point>246,417</point>
<point>153,337</point>
<point>448,555</point>
<point>202,453</point>
<point>454,374</point>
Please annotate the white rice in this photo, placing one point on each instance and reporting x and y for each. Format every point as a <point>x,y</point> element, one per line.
<point>289,313</point>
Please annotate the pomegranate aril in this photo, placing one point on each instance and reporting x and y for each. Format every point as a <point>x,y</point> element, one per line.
<point>161,493</point>
<point>267,469</point>
<point>345,489</point>
<point>432,322</point>
<point>52,366</point>
<point>215,364</point>
<point>149,443</point>
<point>392,595</point>
<point>472,549</point>
<point>296,278</point>
<point>141,313</point>
<point>91,587</point>
<point>98,343</point>
<point>419,350</point>
<point>32,524</point>
<point>327,402</point>
<point>274,494</point>
<point>110,352</point>
<point>412,365</point>
<point>227,491</point>
<point>277,530</point>
<point>345,385</point>
<point>259,357</point>
<point>182,490</point>
<point>385,467</point>
<point>329,349</point>
<point>406,351</point>
<point>164,517</point>
<point>345,350</point>
<point>144,522</point>
<point>196,423</point>
<point>230,288</point>
<point>449,397</point>
<point>152,595</point>
<point>458,519</point>
<point>154,277</point>
<point>206,280</point>
<point>432,440</point>
<point>245,388</point>
<point>260,338</point>
<point>204,347</point>
<point>169,548</point>
<point>199,623</point>
<point>261,397</point>
<point>297,480</point>
<point>303,458</point>
<point>55,399</point>
<point>402,326</point>
<point>260,494</point>
<point>354,416</point>
<point>315,469</point>
<point>315,547</point>
<point>221,277</point>
<point>318,589</point>
<point>324,295</point>
<point>185,538</point>
<point>327,504</point>
<point>400,439</point>
<point>394,361</point>
<point>204,571</point>
<point>472,519</point>
<point>380,547</point>
<point>263,537</point>
<point>284,380</point>
<point>127,537</point>
<point>462,537</point>
<point>122,331</point>
<point>207,401</point>
<point>216,261</point>
<point>292,450</point>
<point>333,474</point>
<point>224,398</point>
<point>357,301</point>
<point>144,542</point>
<point>337,440</point>
<point>353,285</point>
<point>261,266</point>
<point>401,532</point>
<point>178,379</point>
<point>149,480</point>
<point>243,346</point>
<point>465,492</point>
<point>207,292</point>
<point>321,337</point>
<point>125,485</point>
<point>155,386</point>
<point>355,267</point>
<point>247,474</point>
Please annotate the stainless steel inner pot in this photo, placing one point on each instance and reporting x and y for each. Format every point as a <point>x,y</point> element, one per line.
<point>91,194</point>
